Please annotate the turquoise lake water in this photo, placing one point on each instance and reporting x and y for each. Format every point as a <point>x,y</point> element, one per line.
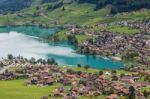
<point>26,41</point>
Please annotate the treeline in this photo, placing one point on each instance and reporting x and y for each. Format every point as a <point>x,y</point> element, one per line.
<point>129,5</point>
<point>47,1</point>
<point>119,5</point>
<point>55,5</point>
<point>10,6</point>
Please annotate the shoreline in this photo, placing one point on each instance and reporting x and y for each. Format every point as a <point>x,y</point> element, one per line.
<point>104,57</point>
<point>16,25</point>
<point>77,49</point>
<point>95,67</point>
<point>115,58</point>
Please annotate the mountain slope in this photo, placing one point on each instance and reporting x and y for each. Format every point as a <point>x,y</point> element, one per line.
<point>115,5</point>
<point>60,12</point>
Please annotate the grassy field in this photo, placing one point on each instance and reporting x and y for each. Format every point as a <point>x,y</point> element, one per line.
<point>14,89</point>
<point>123,30</point>
<point>82,38</point>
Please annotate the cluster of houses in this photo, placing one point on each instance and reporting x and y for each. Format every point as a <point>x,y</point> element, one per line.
<point>82,83</point>
<point>74,84</point>
<point>112,44</point>
<point>109,44</point>
<point>5,74</point>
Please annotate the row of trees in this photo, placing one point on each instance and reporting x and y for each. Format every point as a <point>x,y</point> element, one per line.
<point>129,5</point>
<point>33,60</point>
<point>55,5</point>
<point>43,61</point>
<point>47,1</point>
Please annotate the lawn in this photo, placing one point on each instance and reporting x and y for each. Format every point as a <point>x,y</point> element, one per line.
<point>123,30</point>
<point>82,38</point>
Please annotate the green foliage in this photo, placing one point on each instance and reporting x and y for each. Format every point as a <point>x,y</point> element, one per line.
<point>1,64</point>
<point>81,38</point>
<point>86,67</point>
<point>72,39</point>
<point>47,1</point>
<point>10,56</point>
<point>101,72</point>
<point>130,56</point>
<point>61,36</point>
<point>132,92</point>
<point>79,65</point>
<point>16,90</point>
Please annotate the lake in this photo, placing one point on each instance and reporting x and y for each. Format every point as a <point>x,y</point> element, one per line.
<point>28,41</point>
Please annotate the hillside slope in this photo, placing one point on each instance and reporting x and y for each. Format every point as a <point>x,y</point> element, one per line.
<point>60,12</point>
<point>116,6</point>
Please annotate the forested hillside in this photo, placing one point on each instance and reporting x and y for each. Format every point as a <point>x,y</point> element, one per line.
<point>13,5</point>
<point>115,5</point>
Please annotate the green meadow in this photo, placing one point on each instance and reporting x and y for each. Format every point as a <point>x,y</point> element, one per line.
<point>14,89</point>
